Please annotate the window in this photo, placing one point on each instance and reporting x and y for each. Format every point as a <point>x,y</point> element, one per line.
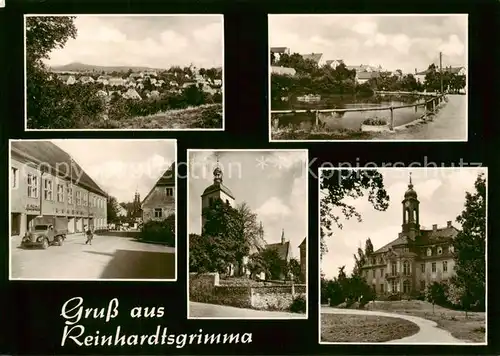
<point>78,197</point>
<point>440,251</point>
<point>227,201</point>
<point>429,252</point>
<point>373,273</point>
<point>47,189</point>
<point>85,199</point>
<point>70,195</point>
<point>210,201</point>
<point>445,266</point>
<point>406,287</point>
<point>450,249</point>
<point>381,272</point>
<point>60,193</point>
<point>169,192</point>
<point>394,269</point>
<point>382,287</point>
<point>422,285</point>
<point>14,177</point>
<point>422,267</point>
<point>406,268</point>
<point>394,286</point>
<point>433,267</point>
<point>32,186</point>
<point>158,213</point>
<point>406,249</point>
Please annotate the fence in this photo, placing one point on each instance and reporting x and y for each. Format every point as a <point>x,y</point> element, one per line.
<point>432,103</point>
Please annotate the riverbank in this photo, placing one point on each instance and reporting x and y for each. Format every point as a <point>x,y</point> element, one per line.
<point>290,133</point>
<point>207,116</point>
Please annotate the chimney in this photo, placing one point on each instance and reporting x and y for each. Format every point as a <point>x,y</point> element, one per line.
<point>415,71</point>
<point>434,227</point>
<point>448,223</point>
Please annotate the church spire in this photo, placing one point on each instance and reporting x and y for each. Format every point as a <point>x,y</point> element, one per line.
<point>411,184</point>
<point>282,236</point>
<point>217,171</point>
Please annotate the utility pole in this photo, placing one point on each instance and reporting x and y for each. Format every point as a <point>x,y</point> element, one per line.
<point>441,69</point>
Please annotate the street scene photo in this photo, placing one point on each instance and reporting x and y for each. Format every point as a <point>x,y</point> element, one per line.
<point>248,220</point>
<point>403,256</point>
<point>113,72</point>
<point>377,77</point>
<point>93,209</point>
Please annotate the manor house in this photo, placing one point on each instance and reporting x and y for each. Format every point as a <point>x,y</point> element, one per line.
<point>416,258</point>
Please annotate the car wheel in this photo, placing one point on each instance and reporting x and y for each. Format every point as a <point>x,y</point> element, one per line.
<point>60,240</point>
<point>45,244</point>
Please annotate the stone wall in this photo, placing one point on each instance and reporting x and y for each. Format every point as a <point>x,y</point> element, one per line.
<point>205,288</point>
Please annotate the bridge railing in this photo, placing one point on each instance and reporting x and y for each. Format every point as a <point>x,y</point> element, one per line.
<point>432,103</point>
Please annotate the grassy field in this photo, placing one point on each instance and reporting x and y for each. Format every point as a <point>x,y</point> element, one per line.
<point>364,328</point>
<point>471,329</point>
<point>207,116</point>
<point>319,134</point>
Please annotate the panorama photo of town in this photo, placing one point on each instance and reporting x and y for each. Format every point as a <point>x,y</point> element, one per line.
<point>368,77</point>
<point>403,255</point>
<point>140,72</point>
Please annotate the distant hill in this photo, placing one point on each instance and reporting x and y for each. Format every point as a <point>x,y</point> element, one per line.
<point>80,67</point>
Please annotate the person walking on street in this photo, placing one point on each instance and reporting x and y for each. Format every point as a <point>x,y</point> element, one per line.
<point>90,235</point>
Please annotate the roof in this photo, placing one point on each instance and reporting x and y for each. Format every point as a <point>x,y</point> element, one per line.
<point>330,61</point>
<point>438,235</point>
<point>48,153</point>
<point>315,57</point>
<point>453,70</point>
<point>303,242</point>
<point>216,187</point>
<point>167,179</point>
<point>279,49</point>
<point>426,237</point>
<point>283,249</point>
<point>367,75</point>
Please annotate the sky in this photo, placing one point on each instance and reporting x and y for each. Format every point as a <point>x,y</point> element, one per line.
<point>151,41</point>
<point>272,183</point>
<point>441,193</point>
<point>401,42</point>
<point>122,167</point>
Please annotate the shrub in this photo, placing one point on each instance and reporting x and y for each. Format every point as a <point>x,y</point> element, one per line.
<point>375,122</point>
<point>299,305</point>
<point>162,231</point>
<point>394,297</point>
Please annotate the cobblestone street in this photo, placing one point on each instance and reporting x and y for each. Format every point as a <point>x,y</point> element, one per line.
<point>109,257</point>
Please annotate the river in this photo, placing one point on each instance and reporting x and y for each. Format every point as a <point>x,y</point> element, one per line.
<point>346,120</point>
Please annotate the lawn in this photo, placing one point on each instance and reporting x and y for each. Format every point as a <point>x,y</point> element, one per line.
<point>470,329</point>
<point>199,117</point>
<point>364,328</point>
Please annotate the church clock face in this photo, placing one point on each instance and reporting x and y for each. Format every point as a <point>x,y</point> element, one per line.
<point>407,204</point>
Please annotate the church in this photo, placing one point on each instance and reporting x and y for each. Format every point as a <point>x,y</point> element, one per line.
<point>417,258</point>
<point>218,190</point>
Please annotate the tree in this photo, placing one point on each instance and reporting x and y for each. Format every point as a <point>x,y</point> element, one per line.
<point>251,228</point>
<point>112,209</point>
<point>223,236</point>
<point>294,268</point>
<point>199,257</point>
<point>276,266</point>
<point>257,264</point>
<point>368,247</point>
<point>469,248</point>
<point>337,185</point>
<point>359,262</point>
<point>436,294</point>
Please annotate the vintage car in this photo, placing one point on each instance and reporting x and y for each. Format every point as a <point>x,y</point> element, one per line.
<point>46,231</point>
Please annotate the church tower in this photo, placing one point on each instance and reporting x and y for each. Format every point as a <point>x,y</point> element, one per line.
<point>216,191</point>
<point>411,225</point>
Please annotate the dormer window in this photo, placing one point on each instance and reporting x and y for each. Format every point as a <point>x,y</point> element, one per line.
<point>169,192</point>
<point>429,252</point>
<point>440,251</point>
<point>450,249</point>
